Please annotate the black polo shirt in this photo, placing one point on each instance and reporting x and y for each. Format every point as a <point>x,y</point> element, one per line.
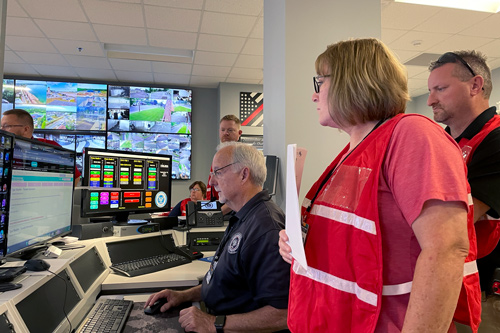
<point>484,167</point>
<point>249,272</point>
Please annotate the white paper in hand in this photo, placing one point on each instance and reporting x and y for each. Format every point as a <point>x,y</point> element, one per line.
<point>293,225</point>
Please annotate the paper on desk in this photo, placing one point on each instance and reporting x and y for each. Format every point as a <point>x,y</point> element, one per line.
<point>293,225</point>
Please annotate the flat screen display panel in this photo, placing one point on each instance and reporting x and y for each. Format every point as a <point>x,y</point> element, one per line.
<point>121,182</point>
<point>41,197</point>
<point>7,95</point>
<point>6,142</point>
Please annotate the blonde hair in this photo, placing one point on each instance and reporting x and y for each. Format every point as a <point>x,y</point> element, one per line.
<point>367,81</point>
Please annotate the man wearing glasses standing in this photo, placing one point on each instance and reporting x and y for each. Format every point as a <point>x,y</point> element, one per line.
<point>459,90</point>
<point>246,287</point>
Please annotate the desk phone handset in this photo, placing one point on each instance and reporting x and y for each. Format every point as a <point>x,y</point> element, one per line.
<point>204,214</point>
<point>183,250</point>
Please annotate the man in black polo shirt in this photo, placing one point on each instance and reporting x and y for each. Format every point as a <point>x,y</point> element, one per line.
<point>246,288</point>
<point>459,90</point>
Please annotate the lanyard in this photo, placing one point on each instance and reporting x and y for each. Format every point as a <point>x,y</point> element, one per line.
<point>325,180</point>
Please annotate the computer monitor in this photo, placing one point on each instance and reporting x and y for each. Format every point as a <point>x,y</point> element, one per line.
<point>6,143</point>
<point>118,183</point>
<point>41,195</point>
<point>272,165</point>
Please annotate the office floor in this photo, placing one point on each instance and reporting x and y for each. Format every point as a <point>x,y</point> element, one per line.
<point>490,317</point>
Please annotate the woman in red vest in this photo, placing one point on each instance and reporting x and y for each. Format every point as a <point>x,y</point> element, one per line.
<point>390,242</point>
<point>197,191</point>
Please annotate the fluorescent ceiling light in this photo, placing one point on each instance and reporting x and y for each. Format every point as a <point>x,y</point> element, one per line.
<point>478,5</point>
<point>149,53</point>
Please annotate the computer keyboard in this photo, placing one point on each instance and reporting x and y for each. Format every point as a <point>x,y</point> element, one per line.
<point>149,265</point>
<point>107,315</point>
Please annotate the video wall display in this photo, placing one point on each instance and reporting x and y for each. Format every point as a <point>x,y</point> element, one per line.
<point>81,115</point>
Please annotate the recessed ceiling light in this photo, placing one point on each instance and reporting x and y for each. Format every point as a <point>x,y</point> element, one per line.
<point>149,53</point>
<point>478,5</point>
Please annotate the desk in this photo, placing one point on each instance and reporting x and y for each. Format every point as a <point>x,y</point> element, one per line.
<point>84,292</point>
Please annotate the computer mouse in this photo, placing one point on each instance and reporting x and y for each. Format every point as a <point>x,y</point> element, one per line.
<point>155,308</point>
<point>36,265</point>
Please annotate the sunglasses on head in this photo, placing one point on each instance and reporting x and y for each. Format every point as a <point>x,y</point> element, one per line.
<point>450,57</point>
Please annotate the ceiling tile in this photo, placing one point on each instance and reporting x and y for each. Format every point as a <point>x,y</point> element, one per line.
<point>63,10</point>
<point>20,26</point>
<point>55,71</point>
<point>214,58</point>
<point>458,42</point>
<point>451,21</point>
<point>131,65</point>
<point>96,74</point>
<point>172,18</point>
<point>171,68</point>
<point>10,56</point>
<point>244,81</point>
<point>220,43</point>
<point>404,56</point>
<point>187,4</point>
<point>29,44</point>
<point>406,16</point>
<point>206,81</point>
<point>19,69</point>
<point>254,46</point>
<point>217,24</point>
<point>203,70</point>
<point>246,73</point>
<point>67,30</point>
<point>89,62</point>
<point>427,40</point>
<point>416,70</point>
<point>485,28</point>
<point>120,35</point>
<point>250,61</point>
<point>126,76</point>
<point>114,13</point>
<point>491,49</point>
<point>65,46</point>
<point>247,7</point>
<point>258,30</point>
<point>13,9</point>
<point>172,39</point>
<point>494,62</point>
<point>422,76</point>
<point>171,79</point>
<point>43,58</point>
<point>390,35</point>
<point>129,1</point>
<point>417,83</point>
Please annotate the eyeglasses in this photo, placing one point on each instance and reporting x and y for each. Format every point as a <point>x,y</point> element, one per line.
<point>450,57</point>
<point>6,127</point>
<point>194,189</point>
<point>317,83</point>
<point>217,173</point>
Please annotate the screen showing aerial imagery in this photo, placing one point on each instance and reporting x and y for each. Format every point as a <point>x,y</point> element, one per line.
<point>143,109</point>
<point>7,95</point>
<point>63,105</point>
<point>177,145</point>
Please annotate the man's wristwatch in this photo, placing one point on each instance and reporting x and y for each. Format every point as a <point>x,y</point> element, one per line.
<point>220,321</point>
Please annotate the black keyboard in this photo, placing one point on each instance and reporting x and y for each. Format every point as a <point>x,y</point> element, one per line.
<point>107,315</point>
<point>149,265</point>
<point>8,274</point>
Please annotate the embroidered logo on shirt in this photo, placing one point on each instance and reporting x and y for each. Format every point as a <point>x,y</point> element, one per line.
<point>235,243</point>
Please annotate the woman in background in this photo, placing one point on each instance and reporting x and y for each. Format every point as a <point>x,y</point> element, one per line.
<point>197,191</point>
<point>388,226</point>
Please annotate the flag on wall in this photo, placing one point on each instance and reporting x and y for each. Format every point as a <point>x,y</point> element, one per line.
<point>252,109</point>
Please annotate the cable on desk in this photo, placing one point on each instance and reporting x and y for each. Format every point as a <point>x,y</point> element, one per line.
<point>64,302</point>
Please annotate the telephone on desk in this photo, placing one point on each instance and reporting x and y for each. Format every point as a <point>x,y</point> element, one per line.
<point>204,214</point>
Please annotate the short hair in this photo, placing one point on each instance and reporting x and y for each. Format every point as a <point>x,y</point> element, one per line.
<point>23,116</point>
<point>367,81</point>
<point>249,157</point>
<point>477,61</point>
<point>231,117</point>
<point>201,185</point>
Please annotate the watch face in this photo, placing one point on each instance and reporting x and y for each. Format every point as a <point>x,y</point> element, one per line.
<point>220,321</point>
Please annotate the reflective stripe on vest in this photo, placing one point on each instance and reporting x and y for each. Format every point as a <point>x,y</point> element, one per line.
<point>341,216</point>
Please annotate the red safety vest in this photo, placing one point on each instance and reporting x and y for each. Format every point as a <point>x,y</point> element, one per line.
<point>487,228</point>
<point>183,206</point>
<point>341,290</point>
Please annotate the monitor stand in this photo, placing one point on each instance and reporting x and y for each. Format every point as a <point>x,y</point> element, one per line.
<point>120,218</point>
<point>30,252</point>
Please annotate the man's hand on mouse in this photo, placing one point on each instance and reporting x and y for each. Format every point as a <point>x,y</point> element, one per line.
<point>174,299</point>
<point>193,319</point>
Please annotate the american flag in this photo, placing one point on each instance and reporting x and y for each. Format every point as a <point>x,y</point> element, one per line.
<point>252,109</point>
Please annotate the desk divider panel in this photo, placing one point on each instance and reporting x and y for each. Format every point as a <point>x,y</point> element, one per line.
<point>87,268</point>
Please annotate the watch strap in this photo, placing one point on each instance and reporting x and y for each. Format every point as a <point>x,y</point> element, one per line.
<point>220,321</point>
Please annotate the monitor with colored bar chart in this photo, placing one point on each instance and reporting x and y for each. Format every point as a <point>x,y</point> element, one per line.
<point>118,183</point>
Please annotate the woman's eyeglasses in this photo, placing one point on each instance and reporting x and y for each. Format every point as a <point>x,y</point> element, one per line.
<point>317,83</point>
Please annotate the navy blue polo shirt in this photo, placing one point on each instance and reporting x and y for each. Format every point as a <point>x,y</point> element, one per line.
<point>250,272</point>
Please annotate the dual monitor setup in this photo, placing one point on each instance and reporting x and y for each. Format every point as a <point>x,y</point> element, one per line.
<point>37,186</point>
